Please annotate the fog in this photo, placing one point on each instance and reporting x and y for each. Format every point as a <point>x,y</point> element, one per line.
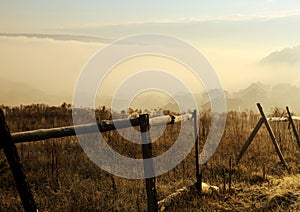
<point>49,68</point>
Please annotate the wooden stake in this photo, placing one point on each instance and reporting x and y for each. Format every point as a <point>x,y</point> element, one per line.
<point>148,164</point>
<point>230,175</point>
<point>293,126</point>
<point>13,159</point>
<point>198,175</point>
<point>272,137</point>
<point>249,140</point>
<point>224,181</point>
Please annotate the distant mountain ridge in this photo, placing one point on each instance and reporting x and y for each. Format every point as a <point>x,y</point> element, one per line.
<point>17,93</point>
<point>288,56</point>
<point>280,95</point>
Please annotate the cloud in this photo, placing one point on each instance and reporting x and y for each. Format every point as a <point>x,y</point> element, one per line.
<point>237,30</point>
<point>59,37</point>
<point>268,15</point>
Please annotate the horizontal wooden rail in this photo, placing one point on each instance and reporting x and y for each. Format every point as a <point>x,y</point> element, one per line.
<point>282,119</point>
<point>102,126</point>
<point>42,134</point>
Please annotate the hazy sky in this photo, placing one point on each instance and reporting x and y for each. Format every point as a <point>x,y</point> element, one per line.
<point>234,35</point>
<point>42,15</point>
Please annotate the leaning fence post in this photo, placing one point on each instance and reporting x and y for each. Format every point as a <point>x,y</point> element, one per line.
<point>148,163</point>
<point>272,136</point>
<point>13,159</point>
<point>293,125</point>
<point>249,140</point>
<point>198,175</point>
<point>230,175</point>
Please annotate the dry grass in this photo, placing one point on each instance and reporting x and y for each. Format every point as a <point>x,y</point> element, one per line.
<point>64,179</point>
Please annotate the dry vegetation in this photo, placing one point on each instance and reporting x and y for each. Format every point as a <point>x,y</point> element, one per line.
<point>64,179</point>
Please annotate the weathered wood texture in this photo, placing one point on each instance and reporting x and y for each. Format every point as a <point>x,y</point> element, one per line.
<point>42,134</point>
<point>293,126</point>
<point>249,140</point>
<point>103,126</point>
<point>13,159</point>
<point>148,164</point>
<point>272,136</point>
<point>174,197</point>
<point>282,119</point>
<point>198,175</point>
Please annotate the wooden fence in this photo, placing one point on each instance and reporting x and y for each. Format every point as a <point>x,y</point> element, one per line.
<point>143,121</point>
<point>265,120</point>
<point>8,141</point>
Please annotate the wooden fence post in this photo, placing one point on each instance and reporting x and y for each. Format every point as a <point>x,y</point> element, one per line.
<point>13,159</point>
<point>148,164</point>
<point>198,175</point>
<point>293,126</point>
<point>272,136</point>
<point>249,140</point>
<point>262,120</point>
<point>230,175</point>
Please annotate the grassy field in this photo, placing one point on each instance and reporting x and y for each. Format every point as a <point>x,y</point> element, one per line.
<point>63,178</point>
